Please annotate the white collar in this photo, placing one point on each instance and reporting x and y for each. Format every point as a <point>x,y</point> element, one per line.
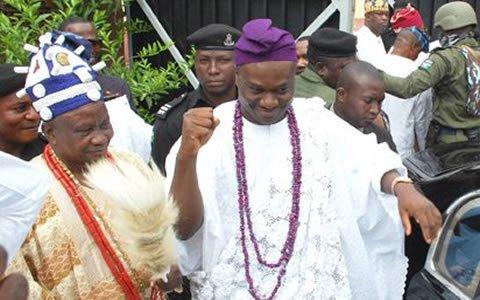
<point>332,109</point>
<point>368,31</point>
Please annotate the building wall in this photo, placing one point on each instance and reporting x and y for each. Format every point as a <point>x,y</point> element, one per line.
<point>182,17</point>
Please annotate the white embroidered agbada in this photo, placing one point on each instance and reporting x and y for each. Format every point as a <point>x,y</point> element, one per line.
<point>369,46</point>
<point>349,243</point>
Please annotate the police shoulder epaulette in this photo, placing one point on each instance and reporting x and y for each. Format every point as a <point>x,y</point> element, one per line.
<point>163,111</point>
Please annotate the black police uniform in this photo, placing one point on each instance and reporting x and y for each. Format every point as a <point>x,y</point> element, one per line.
<point>168,124</point>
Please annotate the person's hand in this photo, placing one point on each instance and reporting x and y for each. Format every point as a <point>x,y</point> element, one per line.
<point>173,283</point>
<point>380,122</point>
<point>413,204</point>
<point>198,126</point>
<point>14,286</point>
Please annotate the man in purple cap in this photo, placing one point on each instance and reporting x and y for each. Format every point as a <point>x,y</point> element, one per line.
<point>279,207</point>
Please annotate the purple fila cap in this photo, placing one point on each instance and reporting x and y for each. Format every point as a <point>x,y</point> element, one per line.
<point>260,42</point>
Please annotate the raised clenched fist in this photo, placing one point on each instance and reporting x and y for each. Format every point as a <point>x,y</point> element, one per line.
<point>198,126</point>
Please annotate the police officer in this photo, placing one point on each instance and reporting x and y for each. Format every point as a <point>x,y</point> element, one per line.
<point>215,69</point>
<point>445,72</point>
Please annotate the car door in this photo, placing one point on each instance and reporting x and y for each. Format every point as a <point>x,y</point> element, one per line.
<point>454,258</point>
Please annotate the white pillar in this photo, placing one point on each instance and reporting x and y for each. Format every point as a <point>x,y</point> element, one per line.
<point>346,9</point>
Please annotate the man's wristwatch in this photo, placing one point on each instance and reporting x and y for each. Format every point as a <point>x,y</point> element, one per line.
<point>397,180</point>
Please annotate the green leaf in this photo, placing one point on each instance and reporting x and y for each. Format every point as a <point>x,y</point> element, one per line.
<point>148,84</point>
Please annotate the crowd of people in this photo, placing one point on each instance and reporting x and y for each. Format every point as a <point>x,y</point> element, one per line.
<point>280,176</point>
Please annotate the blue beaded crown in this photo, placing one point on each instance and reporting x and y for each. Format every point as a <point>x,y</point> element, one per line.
<point>59,78</point>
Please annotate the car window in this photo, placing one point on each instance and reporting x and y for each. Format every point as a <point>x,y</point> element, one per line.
<point>459,257</point>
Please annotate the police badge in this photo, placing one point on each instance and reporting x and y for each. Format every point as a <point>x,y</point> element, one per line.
<point>228,41</point>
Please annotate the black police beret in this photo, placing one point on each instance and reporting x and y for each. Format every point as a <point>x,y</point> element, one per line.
<point>214,37</point>
<point>331,42</point>
<point>9,80</point>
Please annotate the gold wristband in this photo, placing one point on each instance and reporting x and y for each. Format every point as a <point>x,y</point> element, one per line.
<point>397,180</point>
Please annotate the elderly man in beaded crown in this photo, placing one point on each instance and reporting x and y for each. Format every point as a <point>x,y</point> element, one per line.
<point>286,202</point>
<point>105,233</point>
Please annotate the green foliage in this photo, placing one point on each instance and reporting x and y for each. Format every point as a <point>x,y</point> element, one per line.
<point>25,20</point>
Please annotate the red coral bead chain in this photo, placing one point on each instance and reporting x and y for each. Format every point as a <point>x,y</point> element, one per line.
<point>108,253</point>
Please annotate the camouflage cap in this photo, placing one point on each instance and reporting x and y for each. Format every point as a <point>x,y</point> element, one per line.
<point>455,15</point>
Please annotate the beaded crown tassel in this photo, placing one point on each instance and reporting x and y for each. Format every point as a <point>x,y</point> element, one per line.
<point>59,77</point>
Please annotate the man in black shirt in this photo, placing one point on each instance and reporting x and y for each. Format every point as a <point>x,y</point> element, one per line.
<point>360,92</point>
<point>215,69</point>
